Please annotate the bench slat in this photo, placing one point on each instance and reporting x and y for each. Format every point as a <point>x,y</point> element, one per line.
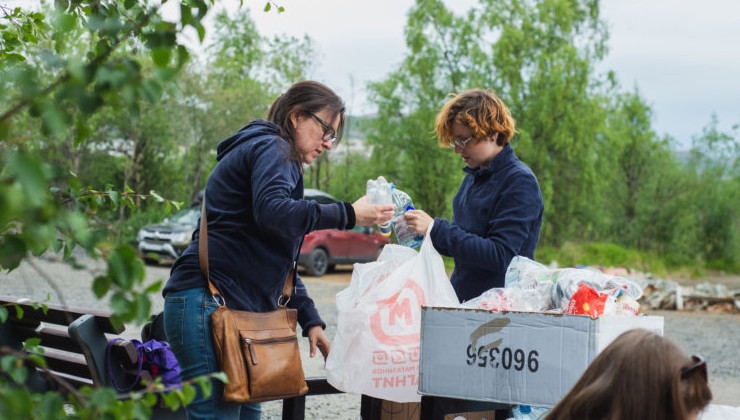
<point>50,338</point>
<point>61,315</point>
<point>65,363</point>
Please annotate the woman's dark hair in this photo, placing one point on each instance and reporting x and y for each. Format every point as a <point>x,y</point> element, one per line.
<point>306,96</point>
<point>639,375</point>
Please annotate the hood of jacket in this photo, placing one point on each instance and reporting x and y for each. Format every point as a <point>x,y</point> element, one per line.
<point>256,128</point>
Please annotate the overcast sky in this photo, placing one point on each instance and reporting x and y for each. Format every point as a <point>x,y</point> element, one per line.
<point>682,55</point>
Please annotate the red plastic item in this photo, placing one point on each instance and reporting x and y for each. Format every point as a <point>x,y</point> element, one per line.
<point>587,301</point>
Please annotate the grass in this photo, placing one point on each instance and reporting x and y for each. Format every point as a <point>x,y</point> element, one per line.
<point>610,255</point>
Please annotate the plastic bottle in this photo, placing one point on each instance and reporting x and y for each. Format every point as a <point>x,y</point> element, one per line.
<point>405,235</point>
<point>525,412</point>
<point>379,192</point>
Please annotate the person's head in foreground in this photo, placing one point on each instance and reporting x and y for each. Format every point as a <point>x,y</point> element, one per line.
<point>639,376</point>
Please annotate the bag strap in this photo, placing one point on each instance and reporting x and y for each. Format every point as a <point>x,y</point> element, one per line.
<point>203,260</point>
<point>112,377</point>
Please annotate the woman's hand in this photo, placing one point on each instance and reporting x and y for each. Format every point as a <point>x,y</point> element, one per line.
<point>367,214</point>
<point>418,220</point>
<point>317,338</point>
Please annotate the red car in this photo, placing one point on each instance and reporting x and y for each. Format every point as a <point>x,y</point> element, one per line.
<point>322,250</point>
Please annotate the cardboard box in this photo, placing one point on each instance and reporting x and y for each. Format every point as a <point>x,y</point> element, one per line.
<point>390,410</point>
<point>411,411</point>
<point>513,357</point>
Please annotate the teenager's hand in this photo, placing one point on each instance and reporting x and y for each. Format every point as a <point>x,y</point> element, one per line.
<point>418,221</point>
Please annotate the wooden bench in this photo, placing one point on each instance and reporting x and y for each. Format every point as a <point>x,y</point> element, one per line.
<point>75,343</point>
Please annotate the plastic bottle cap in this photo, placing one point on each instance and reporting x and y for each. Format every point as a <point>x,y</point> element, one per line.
<point>525,409</point>
<point>409,208</point>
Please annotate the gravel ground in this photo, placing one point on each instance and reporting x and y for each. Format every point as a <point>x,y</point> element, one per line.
<point>715,336</point>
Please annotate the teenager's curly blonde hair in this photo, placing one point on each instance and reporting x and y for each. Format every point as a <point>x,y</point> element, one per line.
<point>479,109</point>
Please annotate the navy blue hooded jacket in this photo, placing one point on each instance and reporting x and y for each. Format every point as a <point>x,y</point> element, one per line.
<point>497,216</point>
<point>256,220</point>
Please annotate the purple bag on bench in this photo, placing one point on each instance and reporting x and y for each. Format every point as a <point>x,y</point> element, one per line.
<point>155,357</point>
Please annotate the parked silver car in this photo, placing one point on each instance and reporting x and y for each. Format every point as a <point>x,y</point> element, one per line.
<point>165,241</point>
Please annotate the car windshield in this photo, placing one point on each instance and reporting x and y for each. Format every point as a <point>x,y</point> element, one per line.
<point>186,217</point>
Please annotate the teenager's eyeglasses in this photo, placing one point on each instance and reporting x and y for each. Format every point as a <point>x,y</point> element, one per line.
<point>699,364</point>
<point>329,134</point>
<point>462,143</point>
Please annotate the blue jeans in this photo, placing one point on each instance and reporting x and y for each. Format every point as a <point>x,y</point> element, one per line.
<point>187,323</point>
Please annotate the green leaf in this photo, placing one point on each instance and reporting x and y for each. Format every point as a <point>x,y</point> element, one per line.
<point>66,22</point>
<point>161,56</point>
<point>12,251</point>
<point>143,307</point>
<point>125,268</point>
<point>10,58</point>
<point>37,359</point>
<point>156,196</point>
<point>19,311</point>
<point>188,394</point>
<point>114,197</point>
<point>268,6</point>
<point>154,287</point>
<point>120,305</point>
<point>31,343</point>
<point>30,173</point>
<point>101,285</point>
<point>186,14</point>
<point>201,32</point>
<point>3,313</point>
<point>221,376</point>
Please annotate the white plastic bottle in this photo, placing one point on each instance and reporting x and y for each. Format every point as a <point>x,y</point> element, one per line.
<point>405,235</point>
<point>379,192</point>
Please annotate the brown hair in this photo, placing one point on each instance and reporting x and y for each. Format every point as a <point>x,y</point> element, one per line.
<point>479,109</point>
<point>638,377</point>
<point>306,96</point>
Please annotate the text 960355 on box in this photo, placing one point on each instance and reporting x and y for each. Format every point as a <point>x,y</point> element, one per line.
<point>513,357</point>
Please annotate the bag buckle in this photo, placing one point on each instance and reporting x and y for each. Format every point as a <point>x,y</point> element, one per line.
<point>284,303</point>
<point>221,302</point>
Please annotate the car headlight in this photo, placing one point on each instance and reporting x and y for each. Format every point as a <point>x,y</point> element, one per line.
<point>181,238</point>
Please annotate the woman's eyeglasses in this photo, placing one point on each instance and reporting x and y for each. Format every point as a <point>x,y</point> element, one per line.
<point>699,364</point>
<point>462,143</point>
<point>329,134</point>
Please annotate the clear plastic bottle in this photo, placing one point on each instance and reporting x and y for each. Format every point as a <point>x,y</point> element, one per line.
<point>379,192</point>
<point>525,412</point>
<point>405,235</point>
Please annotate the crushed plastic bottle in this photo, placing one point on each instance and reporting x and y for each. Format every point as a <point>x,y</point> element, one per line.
<point>405,235</point>
<point>379,192</point>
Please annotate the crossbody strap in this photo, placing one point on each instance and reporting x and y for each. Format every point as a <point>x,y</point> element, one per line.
<point>203,260</point>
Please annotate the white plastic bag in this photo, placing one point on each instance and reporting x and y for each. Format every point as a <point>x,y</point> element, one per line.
<point>376,349</point>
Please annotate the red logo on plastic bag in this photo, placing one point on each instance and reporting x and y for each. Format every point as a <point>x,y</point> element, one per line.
<point>390,325</point>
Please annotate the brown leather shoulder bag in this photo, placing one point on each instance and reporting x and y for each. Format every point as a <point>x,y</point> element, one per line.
<point>258,351</point>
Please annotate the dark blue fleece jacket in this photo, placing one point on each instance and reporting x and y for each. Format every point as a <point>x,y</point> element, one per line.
<point>497,216</point>
<point>256,219</point>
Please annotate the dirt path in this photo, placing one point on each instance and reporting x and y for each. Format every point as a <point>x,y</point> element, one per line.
<point>715,336</point>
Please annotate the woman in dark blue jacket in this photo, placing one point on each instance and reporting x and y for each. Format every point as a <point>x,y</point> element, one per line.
<point>497,212</point>
<point>256,218</point>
